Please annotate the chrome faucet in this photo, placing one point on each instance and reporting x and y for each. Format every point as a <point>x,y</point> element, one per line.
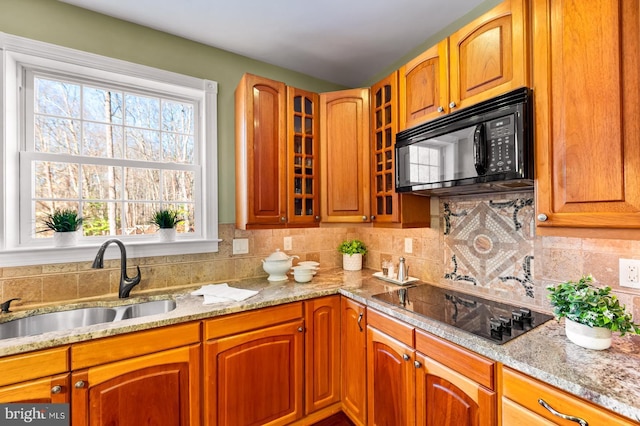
<point>126,283</point>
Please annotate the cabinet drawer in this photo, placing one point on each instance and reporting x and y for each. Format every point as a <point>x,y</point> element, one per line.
<point>22,367</point>
<point>526,391</point>
<point>246,321</point>
<point>133,344</point>
<point>474,366</point>
<point>391,326</point>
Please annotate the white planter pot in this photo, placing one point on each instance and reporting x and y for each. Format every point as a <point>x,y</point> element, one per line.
<point>65,239</point>
<point>167,234</point>
<point>352,262</point>
<point>597,338</point>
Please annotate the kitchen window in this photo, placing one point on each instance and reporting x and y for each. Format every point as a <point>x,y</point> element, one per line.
<point>115,141</point>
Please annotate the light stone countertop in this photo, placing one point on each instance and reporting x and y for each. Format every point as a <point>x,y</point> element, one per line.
<point>610,378</point>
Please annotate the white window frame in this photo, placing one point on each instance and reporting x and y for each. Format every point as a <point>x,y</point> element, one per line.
<point>16,53</point>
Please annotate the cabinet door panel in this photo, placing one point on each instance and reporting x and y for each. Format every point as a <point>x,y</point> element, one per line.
<point>345,177</point>
<point>489,55</point>
<point>390,380</point>
<point>255,378</point>
<point>354,360</point>
<point>587,155</point>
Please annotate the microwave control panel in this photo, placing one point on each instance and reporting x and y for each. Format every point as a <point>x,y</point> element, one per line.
<point>501,148</point>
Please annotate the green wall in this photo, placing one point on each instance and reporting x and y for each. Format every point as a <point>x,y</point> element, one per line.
<point>65,25</point>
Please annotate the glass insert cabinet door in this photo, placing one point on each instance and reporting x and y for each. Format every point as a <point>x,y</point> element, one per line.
<point>303,166</point>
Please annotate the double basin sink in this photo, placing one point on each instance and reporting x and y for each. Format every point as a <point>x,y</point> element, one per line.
<point>81,317</point>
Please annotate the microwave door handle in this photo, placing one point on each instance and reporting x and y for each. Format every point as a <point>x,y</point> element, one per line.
<point>480,150</point>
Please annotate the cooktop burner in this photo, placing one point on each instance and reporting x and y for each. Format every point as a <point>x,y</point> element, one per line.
<point>495,321</point>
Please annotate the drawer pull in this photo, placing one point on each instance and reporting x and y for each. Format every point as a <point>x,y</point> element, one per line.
<point>360,321</point>
<point>562,416</point>
<point>56,389</point>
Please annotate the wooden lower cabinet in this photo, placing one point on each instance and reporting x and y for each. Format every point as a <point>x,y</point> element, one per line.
<point>522,398</point>
<point>353,360</point>
<point>322,353</point>
<point>36,377</point>
<point>150,377</point>
<point>390,372</point>
<point>254,366</point>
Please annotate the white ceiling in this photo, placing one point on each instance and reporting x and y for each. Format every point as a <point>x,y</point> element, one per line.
<point>341,41</point>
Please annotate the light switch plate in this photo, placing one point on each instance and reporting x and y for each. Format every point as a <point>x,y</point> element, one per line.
<point>287,243</point>
<point>408,245</point>
<point>240,245</point>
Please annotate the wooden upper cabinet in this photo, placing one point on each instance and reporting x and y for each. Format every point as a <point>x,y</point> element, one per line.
<point>344,156</point>
<point>424,86</point>
<point>489,56</point>
<point>587,105</point>
<point>303,158</point>
<point>483,59</point>
<point>389,208</point>
<point>260,153</point>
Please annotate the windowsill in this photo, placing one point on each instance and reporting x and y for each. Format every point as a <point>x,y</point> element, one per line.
<point>87,252</point>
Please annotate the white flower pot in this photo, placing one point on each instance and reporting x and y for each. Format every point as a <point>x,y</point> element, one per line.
<point>352,262</point>
<point>65,239</point>
<point>597,338</point>
<point>167,234</point>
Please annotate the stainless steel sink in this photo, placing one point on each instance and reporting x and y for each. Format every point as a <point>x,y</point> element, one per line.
<point>56,321</point>
<point>146,308</point>
<point>82,317</point>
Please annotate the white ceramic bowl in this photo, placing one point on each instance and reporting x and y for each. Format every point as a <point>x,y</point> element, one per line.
<point>302,276</point>
<point>309,263</point>
<point>305,268</point>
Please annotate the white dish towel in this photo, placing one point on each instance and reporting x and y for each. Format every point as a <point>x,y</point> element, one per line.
<point>221,293</point>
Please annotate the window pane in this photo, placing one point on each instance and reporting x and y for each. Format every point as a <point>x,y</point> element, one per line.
<point>56,135</point>
<point>142,111</point>
<point>102,218</point>
<point>177,117</point>
<point>102,105</point>
<point>142,184</point>
<point>55,180</point>
<point>143,145</point>
<point>42,210</point>
<point>177,148</point>
<point>102,140</point>
<point>138,218</point>
<point>186,211</point>
<point>101,182</point>
<point>56,98</point>
<point>177,185</point>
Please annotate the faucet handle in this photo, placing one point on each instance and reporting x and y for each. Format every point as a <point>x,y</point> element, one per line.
<point>4,307</point>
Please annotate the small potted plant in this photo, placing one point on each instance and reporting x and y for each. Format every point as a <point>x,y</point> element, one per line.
<point>591,313</point>
<point>167,220</point>
<point>352,252</point>
<point>64,223</point>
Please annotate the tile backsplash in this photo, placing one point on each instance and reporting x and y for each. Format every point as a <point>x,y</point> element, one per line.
<point>482,244</point>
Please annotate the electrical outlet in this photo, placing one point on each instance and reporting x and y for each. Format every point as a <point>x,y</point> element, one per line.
<point>630,273</point>
<point>408,245</point>
<point>288,243</point>
<point>240,246</point>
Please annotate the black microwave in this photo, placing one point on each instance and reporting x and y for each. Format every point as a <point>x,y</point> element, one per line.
<point>487,147</point>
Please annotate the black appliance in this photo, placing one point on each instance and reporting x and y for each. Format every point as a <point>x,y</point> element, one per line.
<point>495,321</point>
<point>487,147</point>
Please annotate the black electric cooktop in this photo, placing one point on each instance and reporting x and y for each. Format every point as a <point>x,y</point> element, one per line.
<point>495,321</point>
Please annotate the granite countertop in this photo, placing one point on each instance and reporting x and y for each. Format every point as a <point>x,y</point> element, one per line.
<point>609,378</point>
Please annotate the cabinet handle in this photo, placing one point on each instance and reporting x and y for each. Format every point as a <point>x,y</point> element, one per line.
<point>300,329</point>
<point>364,217</point>
<point>417,364</point>
<point>562,416</point>
<point>440,108</point>
<point>452,104</point>
<point>283,219</point>
<point>542,217</point>
<point>373,217</point>
<point>406,357</point>
<point>56,389</point>
<point>79,384</point>
<point>317,218</point>
<point>360,321</point>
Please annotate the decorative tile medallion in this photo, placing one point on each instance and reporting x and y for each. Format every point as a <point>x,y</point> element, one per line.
<point>488,242</point>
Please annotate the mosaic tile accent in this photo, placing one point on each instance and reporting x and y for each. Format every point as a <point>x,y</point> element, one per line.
<point>488,242</point>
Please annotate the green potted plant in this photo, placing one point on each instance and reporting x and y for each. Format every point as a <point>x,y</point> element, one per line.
<point>591,313</point>
<point>64,223</point>
<point>167,220</point>
<point>352,252</point>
